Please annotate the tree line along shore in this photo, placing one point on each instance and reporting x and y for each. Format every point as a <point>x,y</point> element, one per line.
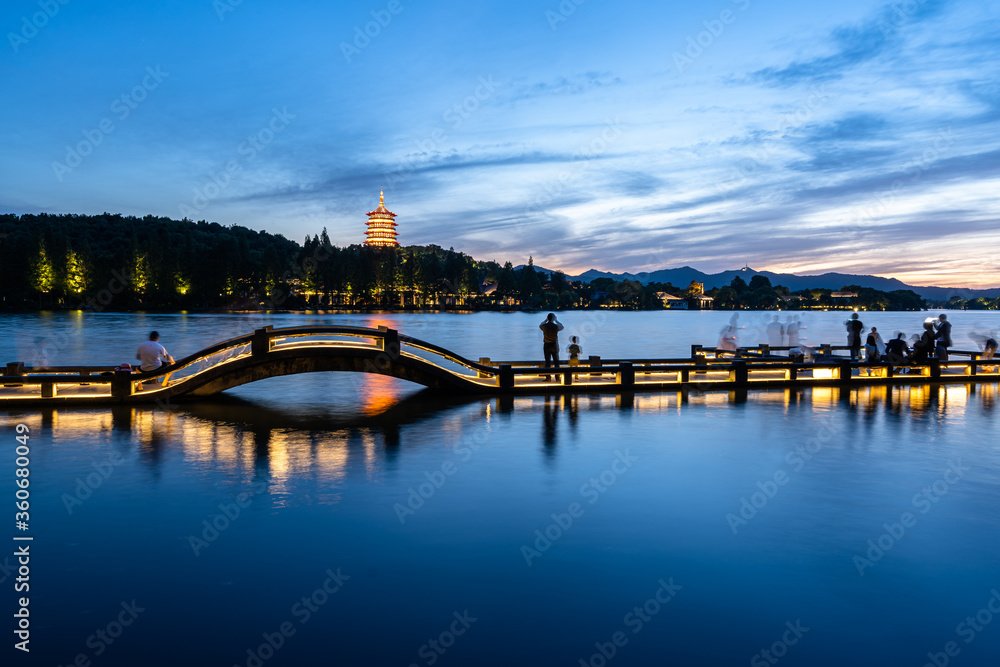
<point>117,262</point>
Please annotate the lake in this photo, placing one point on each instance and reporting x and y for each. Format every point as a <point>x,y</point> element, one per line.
<point>345,519</point>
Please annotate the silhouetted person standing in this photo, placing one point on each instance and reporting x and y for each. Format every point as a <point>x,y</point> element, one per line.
<point>775,333</point>
<point>550,341</point>
<point>854,329</point>
<point>943,337</point>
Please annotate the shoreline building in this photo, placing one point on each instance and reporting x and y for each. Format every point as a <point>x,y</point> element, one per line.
<point>381,230</point>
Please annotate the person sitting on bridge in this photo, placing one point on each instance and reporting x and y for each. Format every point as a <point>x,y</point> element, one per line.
<point>550,341</point>
<point>989,344</point>
<point>991,348</point>
<point>151,356</point>
<point>871,347</point>
<point>923,348</point>
<point>896,350</point>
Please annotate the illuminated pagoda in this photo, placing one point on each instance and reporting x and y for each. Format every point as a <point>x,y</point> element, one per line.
<point>381,226</point>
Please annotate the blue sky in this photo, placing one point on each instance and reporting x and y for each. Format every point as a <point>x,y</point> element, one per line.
<point>854,136</point>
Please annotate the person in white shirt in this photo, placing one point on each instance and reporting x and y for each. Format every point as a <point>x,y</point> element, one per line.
<point>151,355</point>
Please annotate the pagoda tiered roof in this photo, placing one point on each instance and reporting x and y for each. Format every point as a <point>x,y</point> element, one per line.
<point>381,226</point>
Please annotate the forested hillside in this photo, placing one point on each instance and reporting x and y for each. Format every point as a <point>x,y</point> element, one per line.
<point>124,262</point>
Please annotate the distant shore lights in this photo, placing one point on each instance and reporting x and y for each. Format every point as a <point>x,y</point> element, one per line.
<point>381,230</point>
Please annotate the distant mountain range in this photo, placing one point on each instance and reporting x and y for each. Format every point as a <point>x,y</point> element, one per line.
<point>682,277</point>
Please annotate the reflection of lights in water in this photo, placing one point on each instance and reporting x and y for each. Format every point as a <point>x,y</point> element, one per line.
<point>656,402</point>
<point>285,456</point>
<point>710,398</point>
<point>783,398</point>
<point>70,424</point>
<point>955,398</point>
<point>378,393</point>
<point>869,397</point>
<point>331,458</point>
<point>211,444</point>
<point>279,464</point>
<point>825,396</point>
<point>371,451</point>
<point>919,397</point>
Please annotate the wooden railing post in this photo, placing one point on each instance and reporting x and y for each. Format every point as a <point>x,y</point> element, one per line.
<point>14,369</point>
<point>122,385</point>
<point>701,364</point>
<point>505,379</point>
<point>260,344</point>
<point>595,361</point>
<point>567,376</point>
<point>935,366</point>
<point>485,361</point>
<point>626,374</point>
<point>389,341</point>
<point>844,371</point>
<point>695,351</point>
<point>972,364</point>
<point>765,349</point>
<point>739,373</point>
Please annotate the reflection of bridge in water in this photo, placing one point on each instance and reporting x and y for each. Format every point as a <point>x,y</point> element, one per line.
<point>271,443</point>
<point>268,353</point>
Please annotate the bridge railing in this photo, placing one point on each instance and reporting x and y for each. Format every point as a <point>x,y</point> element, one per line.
<point>706,365</point>
<point>387,340</point>
<point>745,372</point>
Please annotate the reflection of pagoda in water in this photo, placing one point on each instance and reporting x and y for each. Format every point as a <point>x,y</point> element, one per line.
<point>381,226</point>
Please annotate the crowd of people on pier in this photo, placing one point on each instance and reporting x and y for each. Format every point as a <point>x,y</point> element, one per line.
<point>866,345</point>
<point>934,341</point>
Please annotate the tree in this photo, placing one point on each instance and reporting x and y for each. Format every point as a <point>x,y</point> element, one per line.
<point>695,288</point>
<point>726,297</point>
<point>507,282</point>
<point>528,284</point>
<point>43,276</point>
<point>559,282</point>
<point>76,274</point>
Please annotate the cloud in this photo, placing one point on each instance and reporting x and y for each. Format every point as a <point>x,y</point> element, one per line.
<point>574,84</point>
<point>855,127</point>
<point>413,172</point>
<point>975,166</point>
<point>634,183</point>
<point>853,45</point>
<point>840,159</point>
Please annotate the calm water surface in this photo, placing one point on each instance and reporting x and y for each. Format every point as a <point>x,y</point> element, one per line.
<point>692,530</point>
